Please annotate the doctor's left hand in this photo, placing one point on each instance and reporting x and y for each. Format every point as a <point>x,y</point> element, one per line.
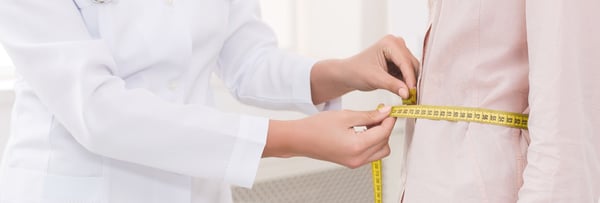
<point>387,64</point>
<point>330,136</point>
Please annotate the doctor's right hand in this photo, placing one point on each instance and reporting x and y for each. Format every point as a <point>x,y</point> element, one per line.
<point>388,64</point>
<point>330,136</point>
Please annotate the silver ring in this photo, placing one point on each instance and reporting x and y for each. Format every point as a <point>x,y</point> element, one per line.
<point>359,129</point>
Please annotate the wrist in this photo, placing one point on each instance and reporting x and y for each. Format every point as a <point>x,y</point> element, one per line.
<point>327,80</point>
<point>281,137</point>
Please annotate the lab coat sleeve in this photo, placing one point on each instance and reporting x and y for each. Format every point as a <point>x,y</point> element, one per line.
<point>259,73</point>
<point>564,127</point>
<point>72,74</point>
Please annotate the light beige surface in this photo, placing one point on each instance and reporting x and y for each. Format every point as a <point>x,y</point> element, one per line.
<point>312,181</point>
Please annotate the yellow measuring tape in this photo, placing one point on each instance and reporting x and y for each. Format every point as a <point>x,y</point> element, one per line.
<point>448,113</point>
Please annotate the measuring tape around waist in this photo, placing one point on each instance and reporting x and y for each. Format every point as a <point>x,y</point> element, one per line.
<point>455,113</point>
<point>448,113</point>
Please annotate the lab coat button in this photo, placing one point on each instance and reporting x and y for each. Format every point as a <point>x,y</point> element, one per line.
<point>173,85</point>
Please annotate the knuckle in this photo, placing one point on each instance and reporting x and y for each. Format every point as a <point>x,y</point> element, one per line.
<point>387,151</point>
<point>389,38</point>
<point>400,40</point>
<point>395,40</point>
<point>372,115</point>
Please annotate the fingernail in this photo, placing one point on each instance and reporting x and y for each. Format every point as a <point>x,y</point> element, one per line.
<point>385,109</point>
<point>403,93</point>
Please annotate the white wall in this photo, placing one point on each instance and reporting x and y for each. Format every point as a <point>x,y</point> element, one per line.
<point>6,98</point>
<point>408,18</point>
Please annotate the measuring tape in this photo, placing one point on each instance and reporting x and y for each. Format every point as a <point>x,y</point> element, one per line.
<point>448,113</point>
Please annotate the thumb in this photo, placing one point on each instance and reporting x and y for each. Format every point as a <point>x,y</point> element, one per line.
<point>394,85</point>
<point>368,118</point>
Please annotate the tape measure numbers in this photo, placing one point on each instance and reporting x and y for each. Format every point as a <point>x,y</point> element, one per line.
<point>455,113</point>
<point>377,185</point>
<point>448,113</point>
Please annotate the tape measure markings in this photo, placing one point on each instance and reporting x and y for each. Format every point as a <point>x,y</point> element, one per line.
<point>448,113</point>
<point>453,113</point>
<point>377,185</point>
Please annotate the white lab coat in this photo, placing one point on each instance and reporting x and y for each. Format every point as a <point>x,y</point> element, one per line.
<point>113,102</point>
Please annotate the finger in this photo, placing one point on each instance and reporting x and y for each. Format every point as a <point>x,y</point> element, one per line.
<point>393,85</point>
<point>395,54</point>
<point>406,67</point>
<point>381,105</point>
<point>379,151</point>
<point>368,154</point>
<point>374,149</point>
<point>380,133</point>
<point>367,118</point>
<point>380,154</point>
<point>417,66</point>
<point>393,70</point>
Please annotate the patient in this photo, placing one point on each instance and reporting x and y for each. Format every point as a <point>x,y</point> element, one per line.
<point>538,57</point>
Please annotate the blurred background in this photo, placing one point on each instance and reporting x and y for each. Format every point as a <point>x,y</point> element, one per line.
<point>320,29</point>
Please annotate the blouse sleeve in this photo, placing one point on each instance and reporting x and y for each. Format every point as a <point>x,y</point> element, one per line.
<point>564,54</point>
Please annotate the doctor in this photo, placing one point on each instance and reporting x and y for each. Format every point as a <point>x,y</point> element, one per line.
<point>113,100</point>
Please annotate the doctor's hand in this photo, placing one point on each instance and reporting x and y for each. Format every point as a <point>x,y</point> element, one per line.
<point>330,136</point>
<point>388,64</point>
